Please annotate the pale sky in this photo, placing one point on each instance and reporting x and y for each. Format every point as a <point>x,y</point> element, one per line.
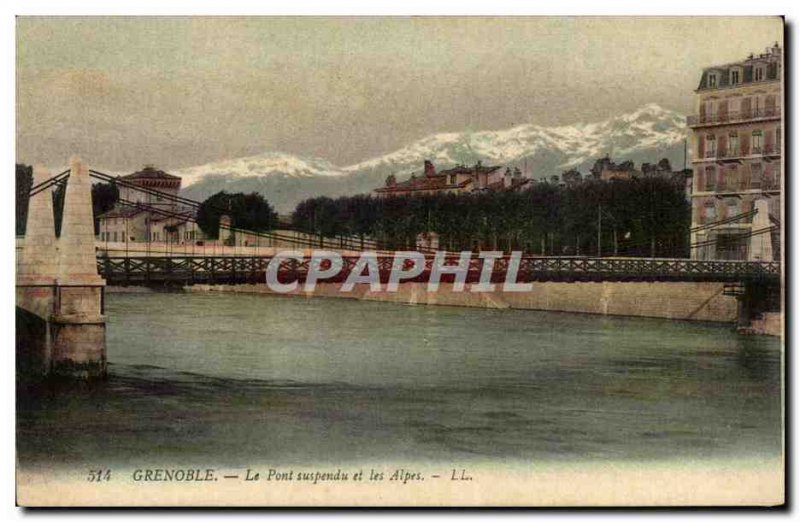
<point>177,92</point>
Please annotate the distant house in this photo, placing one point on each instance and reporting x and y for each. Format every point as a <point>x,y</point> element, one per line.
<point>606,170</point>
<point>460,179</point>
<point>142,216</point>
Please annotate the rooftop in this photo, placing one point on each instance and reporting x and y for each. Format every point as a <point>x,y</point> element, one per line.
<point>150,172</point>
<point>437,182</point>
<point>771,60</point>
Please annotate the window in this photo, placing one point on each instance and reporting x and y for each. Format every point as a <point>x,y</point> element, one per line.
<point>710,212</point>
<point>733,144</point>
<point>731,179</point>
<point>755,175</point>
<point>735,77</point>
<point>759,73</point>
<point>711,146</point>
<point>709,109</point>
<point>712,79</point>
<point>769,105</point>
<point>757,141</point>
<point>710,179</point>
<point>733,206</point>
<point>115,236</point>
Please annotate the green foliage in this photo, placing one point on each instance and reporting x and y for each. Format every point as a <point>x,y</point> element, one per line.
<point>247,211</point>
<point>58,206</point>
<point>23,184</point>
<point>104,196</point>
<point>639,217</point>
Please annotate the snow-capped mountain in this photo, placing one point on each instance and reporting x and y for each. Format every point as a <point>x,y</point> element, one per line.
<point>647,134</point>
<point>268,164</point>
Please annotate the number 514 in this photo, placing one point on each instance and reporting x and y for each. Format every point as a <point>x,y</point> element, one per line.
<point>99,475</point>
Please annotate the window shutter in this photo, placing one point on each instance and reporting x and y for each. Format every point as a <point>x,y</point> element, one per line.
<point>770,104</point>
<point>745,110</point>
<point>701,146</point>
<point>722,110</point>
<point>772,71</point>
<point>767,175</point>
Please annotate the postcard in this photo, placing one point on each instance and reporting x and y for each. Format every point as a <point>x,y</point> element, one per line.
<point>400,261</point>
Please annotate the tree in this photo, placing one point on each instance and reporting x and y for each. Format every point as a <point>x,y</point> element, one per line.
<point>104,197</point>
<point>247,211</point>
<point>640,217</point>
<point>23,183</point>
<point>58,206</point>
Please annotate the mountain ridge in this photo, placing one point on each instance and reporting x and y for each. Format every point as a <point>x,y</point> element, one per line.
<point>646,134</point>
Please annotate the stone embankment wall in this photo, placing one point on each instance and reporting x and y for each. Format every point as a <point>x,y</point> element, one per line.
<point>682,301</point>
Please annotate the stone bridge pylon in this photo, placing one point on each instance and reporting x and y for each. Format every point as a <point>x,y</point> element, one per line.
<point>61,326</point>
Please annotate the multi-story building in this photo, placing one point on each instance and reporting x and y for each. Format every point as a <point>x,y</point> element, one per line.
<point>460,179</point>
<point>737,161</point>
<point>143,216</point>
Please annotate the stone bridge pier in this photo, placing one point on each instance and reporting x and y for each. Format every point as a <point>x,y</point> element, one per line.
<point>61,326</point>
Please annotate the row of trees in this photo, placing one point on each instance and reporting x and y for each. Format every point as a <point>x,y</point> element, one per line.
<point>636,217</point>
<point>247,211</point>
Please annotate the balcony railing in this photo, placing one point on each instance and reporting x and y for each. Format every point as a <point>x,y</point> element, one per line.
<point>732,186</point>
<point>772,184</point>
<point>741,152</point>
<point>733,116</point>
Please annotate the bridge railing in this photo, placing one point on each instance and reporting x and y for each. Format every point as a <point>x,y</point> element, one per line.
<point>252,269</point>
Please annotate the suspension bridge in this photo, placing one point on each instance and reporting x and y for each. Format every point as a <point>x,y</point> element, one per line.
<point>61,281</point>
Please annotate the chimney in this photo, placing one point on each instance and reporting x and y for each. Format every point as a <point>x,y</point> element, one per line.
<point>430,170</point>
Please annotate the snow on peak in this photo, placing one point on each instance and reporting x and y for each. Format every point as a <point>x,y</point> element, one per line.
<point>645,134</point>
<point>650,126</point>
<point>270,163</point>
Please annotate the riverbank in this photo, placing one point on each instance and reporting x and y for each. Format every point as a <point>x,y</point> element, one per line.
<point>679,301</point>
<point>682,301</point>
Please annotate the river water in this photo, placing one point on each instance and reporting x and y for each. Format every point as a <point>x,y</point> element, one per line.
<point>232,380</point>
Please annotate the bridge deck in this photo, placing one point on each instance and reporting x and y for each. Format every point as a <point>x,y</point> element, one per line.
<point>188,270</point>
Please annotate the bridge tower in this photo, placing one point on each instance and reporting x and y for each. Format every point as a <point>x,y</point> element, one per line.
<point>59,291</point>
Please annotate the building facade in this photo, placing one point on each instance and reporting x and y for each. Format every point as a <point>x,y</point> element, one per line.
<point>458,180</point>
<point>163,221</point>
<point>737,160</point>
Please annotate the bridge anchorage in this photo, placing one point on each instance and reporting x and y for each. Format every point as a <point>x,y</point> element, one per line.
<point>61,326</point>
